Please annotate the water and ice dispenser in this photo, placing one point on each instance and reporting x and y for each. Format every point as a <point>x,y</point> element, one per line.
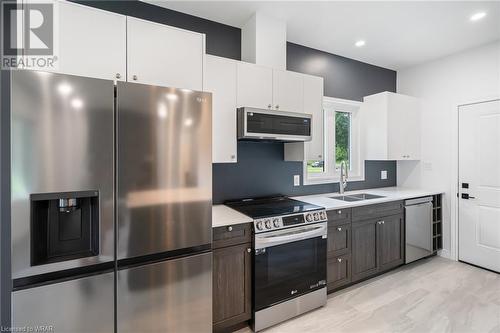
<point>64,226</point>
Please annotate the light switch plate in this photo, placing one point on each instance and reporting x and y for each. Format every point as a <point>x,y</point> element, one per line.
<point>383,174</point>
<point>296,180</point>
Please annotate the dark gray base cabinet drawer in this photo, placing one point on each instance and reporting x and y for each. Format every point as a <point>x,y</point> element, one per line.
<point>339,239</point>
<point>338,272</point>
<point>339,216</point>
<point>231,235</point>
<point>376,211</point>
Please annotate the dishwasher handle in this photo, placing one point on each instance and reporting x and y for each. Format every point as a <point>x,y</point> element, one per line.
<point>418,201</point>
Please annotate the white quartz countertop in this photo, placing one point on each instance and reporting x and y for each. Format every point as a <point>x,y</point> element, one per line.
<point>223,215</point>
<point>388,193</point>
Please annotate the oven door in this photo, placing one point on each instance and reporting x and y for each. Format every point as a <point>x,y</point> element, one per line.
<point>289,263</point>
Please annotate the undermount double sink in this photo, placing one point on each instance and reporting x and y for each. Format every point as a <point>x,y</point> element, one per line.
<point>357,197</point>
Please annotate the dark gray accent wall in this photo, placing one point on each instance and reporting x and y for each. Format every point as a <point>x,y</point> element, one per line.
<point>344,78</point>
<point>261,171</point>
<point>221,40</point>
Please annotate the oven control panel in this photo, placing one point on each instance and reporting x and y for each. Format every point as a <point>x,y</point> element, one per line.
<point>285,221</point>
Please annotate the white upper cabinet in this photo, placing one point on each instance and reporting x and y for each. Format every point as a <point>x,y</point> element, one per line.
<point>390,127</point>
<point>220,80</point>
<point>165,56</point>
<point>254,86</point>
<point>92,42</point>
<point>288,91</point>
<point>313,104</point>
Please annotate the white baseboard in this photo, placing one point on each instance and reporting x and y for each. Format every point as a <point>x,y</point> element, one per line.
<point>444,253</point>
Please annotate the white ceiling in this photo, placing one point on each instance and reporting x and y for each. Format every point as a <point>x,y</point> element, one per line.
<point>398,34</point>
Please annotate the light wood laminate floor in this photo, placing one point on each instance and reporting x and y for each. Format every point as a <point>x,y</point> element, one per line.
<point>431,295</point>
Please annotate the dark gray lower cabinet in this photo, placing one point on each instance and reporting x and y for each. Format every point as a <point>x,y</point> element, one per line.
<point>364,249</point>
<point>377,245</point>
<point>232,280</point>
<point>338,271</point>
<point>391,241</point>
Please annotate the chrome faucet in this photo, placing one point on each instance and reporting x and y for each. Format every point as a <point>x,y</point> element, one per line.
<point>343,177</point>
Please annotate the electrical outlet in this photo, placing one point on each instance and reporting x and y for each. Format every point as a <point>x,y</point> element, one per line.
<point>296,180</point>
<point>427,166</point>
<point>383,174</point>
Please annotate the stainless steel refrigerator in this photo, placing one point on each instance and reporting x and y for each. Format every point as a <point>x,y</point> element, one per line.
<point>111,205</point>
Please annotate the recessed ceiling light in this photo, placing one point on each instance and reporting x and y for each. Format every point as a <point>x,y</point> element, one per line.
<point>360,43</point>
<point>477,16</point>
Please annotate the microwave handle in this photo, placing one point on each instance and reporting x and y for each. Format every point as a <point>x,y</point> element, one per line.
<point>263,241</point>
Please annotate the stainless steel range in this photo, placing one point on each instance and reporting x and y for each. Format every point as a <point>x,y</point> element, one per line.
<point>289,262</point>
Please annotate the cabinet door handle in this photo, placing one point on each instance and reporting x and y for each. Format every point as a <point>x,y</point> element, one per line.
<point>339,229</point>
<point>339,212</point>
<point>233,157</point>
<point>277,106</point>
<point>381,222</point>
<point>229,228</point>
<point>269,106</point>
<point>320,156</point>
<point>118,76</point>
<point>249,250</point>
<point>339,259</point>
<point>134,77</point>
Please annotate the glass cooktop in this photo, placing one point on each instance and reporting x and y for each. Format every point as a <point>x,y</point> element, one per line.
<point>270,206</point>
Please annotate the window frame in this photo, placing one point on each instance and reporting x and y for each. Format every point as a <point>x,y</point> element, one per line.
<point>330,175</point>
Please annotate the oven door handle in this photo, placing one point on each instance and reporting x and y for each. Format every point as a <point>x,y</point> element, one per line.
<point>273,239</point>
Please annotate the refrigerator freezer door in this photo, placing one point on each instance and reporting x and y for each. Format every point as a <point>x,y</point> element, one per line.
<point>168,296</point>
<point>164,169</point>
<point>77,306</point>
<point>62,141</point>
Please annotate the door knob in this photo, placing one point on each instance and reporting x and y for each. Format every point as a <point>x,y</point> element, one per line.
<point>134,77</point>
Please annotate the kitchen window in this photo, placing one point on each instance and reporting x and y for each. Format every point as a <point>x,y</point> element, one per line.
<point>341,135</point>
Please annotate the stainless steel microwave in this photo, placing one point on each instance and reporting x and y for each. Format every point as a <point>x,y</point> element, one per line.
<point>272,125</point>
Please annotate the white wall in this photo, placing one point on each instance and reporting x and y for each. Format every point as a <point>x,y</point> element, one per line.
<point>442,85</point>
<point>263,41</point>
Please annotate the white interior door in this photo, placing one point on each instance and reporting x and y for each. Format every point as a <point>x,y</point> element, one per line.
<point>479,170</point>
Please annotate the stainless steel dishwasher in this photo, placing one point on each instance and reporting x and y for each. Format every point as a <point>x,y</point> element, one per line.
<point>418,215</point>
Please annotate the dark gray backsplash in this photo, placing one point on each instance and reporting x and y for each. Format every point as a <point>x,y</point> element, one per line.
<point>261,171</point>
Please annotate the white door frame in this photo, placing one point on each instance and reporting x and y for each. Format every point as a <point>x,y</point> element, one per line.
<point>454,176</point>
